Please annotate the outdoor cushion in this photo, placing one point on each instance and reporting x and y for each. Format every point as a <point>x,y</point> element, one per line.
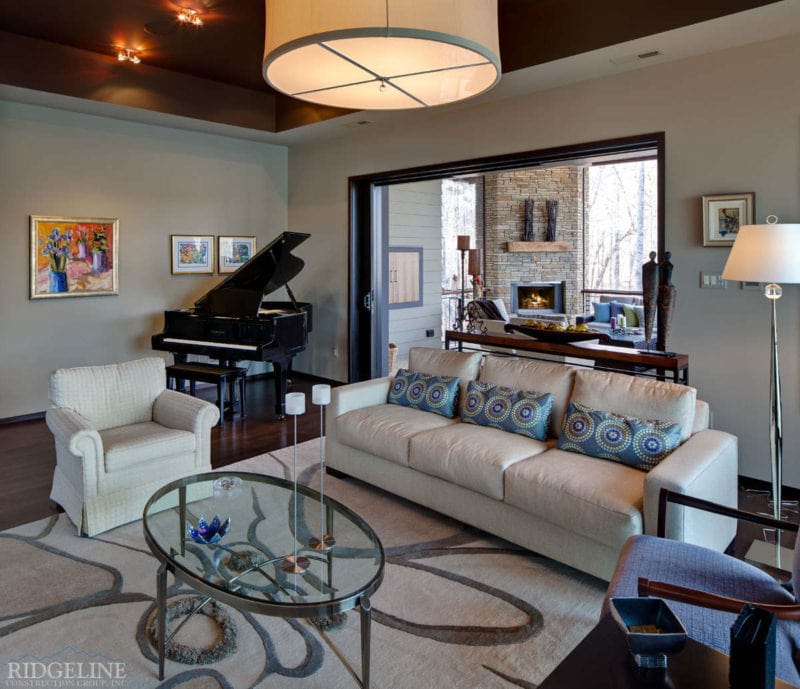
<point>639,397</point>
<point>600,500</point>
<point>141,442</point>
<point>385,429</point>
<point>471,456</point>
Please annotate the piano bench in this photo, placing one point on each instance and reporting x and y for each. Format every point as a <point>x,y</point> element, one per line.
<point>221,376</point>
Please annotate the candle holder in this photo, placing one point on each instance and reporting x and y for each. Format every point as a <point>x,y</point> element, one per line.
<point>294,564</point>
<point>321,395</point>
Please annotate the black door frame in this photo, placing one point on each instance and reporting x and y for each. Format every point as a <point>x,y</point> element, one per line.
<point>363,289</point>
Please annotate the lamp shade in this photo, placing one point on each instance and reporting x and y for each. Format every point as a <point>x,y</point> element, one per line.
<point>765,253</point>
<point>381,54</point>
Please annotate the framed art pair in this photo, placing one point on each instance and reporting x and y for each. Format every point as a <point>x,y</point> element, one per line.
<point>194,254</point>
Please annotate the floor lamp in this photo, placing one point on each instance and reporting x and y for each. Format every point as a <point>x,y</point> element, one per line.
<point>769,254</point>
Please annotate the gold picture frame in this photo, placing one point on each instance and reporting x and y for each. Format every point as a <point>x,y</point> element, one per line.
<point>724,214</point>
<point>73,257</point>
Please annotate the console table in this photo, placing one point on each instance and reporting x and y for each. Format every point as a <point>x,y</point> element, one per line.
<point>602,661</point>
<point>605,357</point>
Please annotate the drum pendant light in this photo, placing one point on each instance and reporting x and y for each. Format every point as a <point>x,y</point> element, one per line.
<point>381,54</point>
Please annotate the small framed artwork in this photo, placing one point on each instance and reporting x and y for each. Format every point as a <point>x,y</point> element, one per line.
<point>73,257</point>
<point>723,215</point>
<point>234,252</point>
<point>192,254</point>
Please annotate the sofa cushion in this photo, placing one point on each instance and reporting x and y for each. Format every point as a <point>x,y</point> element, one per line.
<point>125,446</point>
<point>385,429</point>
<point>602,311</point>
<point>635,442</point>
<point>437,394</point>
<point>517,411</point>
<point>640,397</point>
<point>599,500</point>
<point>617,309</point>
<point>533,375</point>
<point>470,456</point>
<point>631,316</point>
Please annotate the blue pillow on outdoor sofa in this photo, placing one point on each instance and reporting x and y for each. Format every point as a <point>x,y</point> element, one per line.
<point>437,394</point>
<point>617,309</point>
<point>625,439</point>
<point>516,411</point>
<point>602,311</point>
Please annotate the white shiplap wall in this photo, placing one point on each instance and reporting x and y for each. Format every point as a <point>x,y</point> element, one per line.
<point>415,219</point>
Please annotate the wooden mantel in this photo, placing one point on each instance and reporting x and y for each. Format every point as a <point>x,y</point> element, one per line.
<point>537,247</point>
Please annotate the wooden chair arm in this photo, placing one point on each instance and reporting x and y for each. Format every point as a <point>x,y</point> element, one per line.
<point>711,600</point>
<point>666,496</point>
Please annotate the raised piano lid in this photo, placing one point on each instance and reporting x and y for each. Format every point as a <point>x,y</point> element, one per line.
<point>241,293</point>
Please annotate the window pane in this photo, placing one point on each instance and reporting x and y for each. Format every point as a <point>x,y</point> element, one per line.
<point>620,231</point>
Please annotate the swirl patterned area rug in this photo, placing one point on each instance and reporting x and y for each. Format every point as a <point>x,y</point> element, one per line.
<point>457,609</point>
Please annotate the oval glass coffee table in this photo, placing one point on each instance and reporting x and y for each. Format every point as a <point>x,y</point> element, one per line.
<point>272,559</point>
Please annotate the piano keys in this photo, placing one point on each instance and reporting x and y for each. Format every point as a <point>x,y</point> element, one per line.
<point>232,322</point>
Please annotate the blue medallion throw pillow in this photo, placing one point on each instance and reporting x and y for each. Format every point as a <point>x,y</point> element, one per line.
<point>516,411</point>
<point>625,439</point>
<point>438,394</point>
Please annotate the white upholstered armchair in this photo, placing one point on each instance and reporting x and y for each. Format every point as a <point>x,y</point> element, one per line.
<point>120,435</point>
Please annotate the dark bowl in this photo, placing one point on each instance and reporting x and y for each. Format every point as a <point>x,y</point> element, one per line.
<point>556,336</point>
<point>650,627</point>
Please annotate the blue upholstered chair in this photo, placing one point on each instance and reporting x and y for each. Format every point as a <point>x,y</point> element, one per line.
<point>707,589</point>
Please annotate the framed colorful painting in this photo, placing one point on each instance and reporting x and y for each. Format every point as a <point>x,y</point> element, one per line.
<point>724,214</point>
<point>192,254</point>
<point>234,252</point>
<point>74,257</point>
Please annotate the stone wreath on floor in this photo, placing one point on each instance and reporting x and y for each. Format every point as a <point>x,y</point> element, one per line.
<point>187,655</point>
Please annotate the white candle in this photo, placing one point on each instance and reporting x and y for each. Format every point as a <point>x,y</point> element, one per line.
<point>321,394</point>
<point>295,403</point>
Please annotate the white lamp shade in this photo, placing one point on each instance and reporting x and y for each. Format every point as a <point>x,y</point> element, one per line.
<point>321,394</point>
<point>295,403</point>
<point>381,54</point>
<point>765,253</point>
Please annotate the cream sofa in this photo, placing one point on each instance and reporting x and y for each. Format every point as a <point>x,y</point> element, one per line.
<point>573,508</point>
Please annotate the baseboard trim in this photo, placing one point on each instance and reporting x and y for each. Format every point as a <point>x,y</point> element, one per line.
<point>22,419</point>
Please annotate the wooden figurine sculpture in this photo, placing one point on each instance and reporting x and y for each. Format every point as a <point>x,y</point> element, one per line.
<point>666,301</point>
<point>650,285</point>
<point>552,215</point>
<point>527,232</point>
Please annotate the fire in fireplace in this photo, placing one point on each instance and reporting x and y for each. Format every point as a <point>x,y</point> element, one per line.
<point>531,298</point>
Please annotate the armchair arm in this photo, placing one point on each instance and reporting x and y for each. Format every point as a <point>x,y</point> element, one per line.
<point>79,447</point>
<point>183,412</point>
<point>584,318</point>
<point>711,600</point>
<point>74,432</point>
<point>705,466</point>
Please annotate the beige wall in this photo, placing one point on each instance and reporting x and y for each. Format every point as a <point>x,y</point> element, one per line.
<point>732,123</point>
<point>157,181</point>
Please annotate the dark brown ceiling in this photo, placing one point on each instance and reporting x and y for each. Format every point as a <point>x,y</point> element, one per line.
<point>229,47</point>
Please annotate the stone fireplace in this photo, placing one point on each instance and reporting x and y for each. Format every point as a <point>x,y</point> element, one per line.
<point>534,298</point>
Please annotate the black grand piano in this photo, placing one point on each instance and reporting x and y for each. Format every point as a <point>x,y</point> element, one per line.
<point>233,322</point>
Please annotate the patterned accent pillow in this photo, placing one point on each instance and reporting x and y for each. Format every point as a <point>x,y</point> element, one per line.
<point>437,394</point>
<point>516,411</point>
<point>625,439</point>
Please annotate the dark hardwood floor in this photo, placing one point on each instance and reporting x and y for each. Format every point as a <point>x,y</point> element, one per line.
<point>28,457</point>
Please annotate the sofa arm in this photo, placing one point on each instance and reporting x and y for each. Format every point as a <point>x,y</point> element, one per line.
<point>705,466</point>
<point>584,318</point>
<point>367,393</point>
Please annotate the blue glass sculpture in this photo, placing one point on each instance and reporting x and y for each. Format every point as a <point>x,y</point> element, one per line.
<point>208,533</point>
